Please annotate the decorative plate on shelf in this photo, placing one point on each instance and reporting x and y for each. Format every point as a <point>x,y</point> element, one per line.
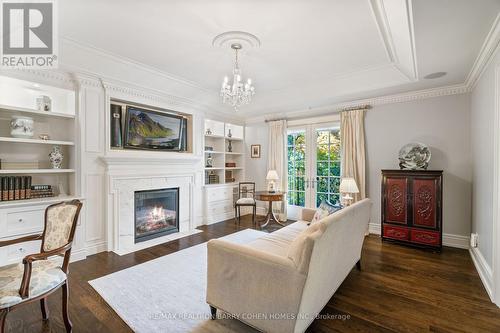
<point>414,156</point>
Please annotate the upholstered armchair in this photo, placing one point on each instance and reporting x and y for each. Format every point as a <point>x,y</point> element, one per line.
<point>38,276</point>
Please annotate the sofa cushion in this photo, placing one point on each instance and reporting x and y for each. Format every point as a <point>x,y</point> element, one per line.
<point>279,241</point>
<point>301,248</point>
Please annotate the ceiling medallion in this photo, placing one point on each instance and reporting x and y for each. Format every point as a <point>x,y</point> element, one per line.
<point>236,93</point>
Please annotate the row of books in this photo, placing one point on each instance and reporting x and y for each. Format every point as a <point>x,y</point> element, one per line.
<point>20,188</point>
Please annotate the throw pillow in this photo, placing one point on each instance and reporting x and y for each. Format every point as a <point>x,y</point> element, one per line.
<point>325,208</point>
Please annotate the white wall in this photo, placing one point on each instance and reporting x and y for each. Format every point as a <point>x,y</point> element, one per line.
<point>482,125</point>
<point>256,168</point>
<point>442,123</point>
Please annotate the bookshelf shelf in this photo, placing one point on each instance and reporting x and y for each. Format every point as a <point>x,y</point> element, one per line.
<point>214,136</point>
<point>35,171</point>
<point>20,110</point>
<point>37,141</point>
<point>31,202</point>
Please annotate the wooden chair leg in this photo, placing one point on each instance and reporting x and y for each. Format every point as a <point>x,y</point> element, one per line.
<point>358,265</point>
<point>235,214</point>
<point>239,215</point>
<point>65,301</point>
<point>45,308</point>
<point>3,317</point>
<point>254,214</point>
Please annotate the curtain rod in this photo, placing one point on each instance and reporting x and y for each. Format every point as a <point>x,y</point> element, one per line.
<point>351,108</point>
<point>359,107</point>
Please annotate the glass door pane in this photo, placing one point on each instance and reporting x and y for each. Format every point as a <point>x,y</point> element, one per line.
<point>327,165</point>
<point>296,145</point>
<point>313,166</point>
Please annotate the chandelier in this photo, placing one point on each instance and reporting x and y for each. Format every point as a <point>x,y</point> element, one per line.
<point>236,93</point>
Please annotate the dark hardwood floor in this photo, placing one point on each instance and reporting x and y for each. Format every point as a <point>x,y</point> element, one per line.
<point>398,290</point>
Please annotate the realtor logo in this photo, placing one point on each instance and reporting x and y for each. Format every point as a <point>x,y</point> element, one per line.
<point>28,34</point>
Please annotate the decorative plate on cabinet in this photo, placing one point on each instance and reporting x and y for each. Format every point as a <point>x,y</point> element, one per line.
<point>414,156</point>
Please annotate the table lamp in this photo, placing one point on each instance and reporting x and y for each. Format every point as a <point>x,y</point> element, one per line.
<point>272,177</point>
<point>348,186</point>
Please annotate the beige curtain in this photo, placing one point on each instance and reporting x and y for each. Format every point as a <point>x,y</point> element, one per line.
<point>352,132</point>
<point>277,160</point>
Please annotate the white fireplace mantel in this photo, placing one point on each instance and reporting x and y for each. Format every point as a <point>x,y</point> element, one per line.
<point>128,173</point>
<point>130,158</point>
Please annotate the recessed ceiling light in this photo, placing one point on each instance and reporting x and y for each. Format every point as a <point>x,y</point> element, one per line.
<point>435,75</point>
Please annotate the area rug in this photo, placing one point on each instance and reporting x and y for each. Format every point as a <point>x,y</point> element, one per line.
<point>167,294</point>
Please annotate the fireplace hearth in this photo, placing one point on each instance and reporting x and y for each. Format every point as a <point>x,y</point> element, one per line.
<point>156,213</point>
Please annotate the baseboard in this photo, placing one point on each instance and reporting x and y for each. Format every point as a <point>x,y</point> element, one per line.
<point>78,255</point>
<point>96,248</point>
<point>483,269</point>
<point>374,228</point>
<point>458,241</point>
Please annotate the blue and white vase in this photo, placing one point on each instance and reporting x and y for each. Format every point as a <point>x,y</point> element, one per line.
<point>56,157</point>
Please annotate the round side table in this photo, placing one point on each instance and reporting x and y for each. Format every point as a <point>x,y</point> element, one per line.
<point>269,197</point>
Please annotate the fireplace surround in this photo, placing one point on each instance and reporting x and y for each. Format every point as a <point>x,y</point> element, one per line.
<point>156,213</point>
<point>126,175</point>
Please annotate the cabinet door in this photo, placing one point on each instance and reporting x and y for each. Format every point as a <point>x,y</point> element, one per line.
<point>396,189</point>
<point>425,202</point>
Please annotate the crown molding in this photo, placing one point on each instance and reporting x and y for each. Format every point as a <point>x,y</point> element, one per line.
<point>381,100</point>
<point>52,77</point>
<point>485,56</point>
<point>87,81</point>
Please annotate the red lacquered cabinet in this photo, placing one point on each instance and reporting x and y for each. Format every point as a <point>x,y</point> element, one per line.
<point>412,207</point>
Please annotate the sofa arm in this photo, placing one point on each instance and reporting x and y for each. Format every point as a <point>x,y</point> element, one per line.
<point>253,285</point>
<point>306,214</point>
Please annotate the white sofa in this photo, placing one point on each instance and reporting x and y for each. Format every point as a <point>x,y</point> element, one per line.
<point>281,281</point>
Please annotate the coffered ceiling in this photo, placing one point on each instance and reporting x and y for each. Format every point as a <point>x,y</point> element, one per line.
<point>313,53</point>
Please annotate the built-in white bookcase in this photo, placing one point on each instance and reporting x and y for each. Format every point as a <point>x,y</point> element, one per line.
<point>218,135</point>
<point>18,97</point>
<point>219,198</point>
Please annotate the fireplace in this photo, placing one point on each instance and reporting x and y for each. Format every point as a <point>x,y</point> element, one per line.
<point>156,213</point>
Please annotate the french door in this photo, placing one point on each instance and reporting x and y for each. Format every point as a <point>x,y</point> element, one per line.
<point>313,166</point>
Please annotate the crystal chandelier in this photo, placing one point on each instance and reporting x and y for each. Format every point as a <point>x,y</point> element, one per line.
<point>237,93</point>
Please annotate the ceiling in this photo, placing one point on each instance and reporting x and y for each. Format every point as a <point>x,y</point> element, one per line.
<point>313,53</point>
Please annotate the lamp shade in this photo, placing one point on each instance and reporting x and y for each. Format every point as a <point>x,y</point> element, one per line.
<point>272,175</point>
<point>348,185</point>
